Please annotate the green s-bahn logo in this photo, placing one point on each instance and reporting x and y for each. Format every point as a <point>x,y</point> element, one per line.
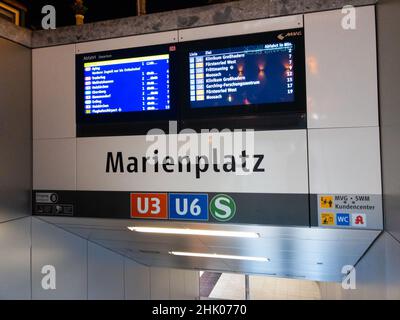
<point>223,207</point>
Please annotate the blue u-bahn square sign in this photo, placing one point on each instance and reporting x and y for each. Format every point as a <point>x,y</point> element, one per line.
<point>183,206</point>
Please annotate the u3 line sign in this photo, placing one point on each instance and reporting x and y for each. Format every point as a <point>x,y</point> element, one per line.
<point>182,206</point>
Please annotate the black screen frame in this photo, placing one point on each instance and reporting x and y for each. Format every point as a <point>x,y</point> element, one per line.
<point>125,123</point>
<point>265,116</point>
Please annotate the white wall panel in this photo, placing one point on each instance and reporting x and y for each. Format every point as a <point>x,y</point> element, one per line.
<point>341,70</point>
<point>54,92</point>
<point>345,161</point>
<point>238,28</point>
<point>105,274</point>
<point>192,284</point>
<point>184,284</point>
<point>137,281</point>
<point>160,283</point>
<point>67,253</point>
<point>177,284</point>
<point>15,252</point>
<point>174,284</point>
<point>54,164</point>
<point>285,164</point>
<point>127,42</point>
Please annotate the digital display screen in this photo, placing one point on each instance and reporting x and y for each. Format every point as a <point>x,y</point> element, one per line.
<point>246,75</point>
<point>134,84</point>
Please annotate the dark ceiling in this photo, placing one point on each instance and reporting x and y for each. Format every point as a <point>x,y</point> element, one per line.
<point>101,10</point>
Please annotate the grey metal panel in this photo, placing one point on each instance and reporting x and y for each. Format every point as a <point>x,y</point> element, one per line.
<point>67,253</point>
<point>266,232</point>
<point>90,222</point>
<point>371,280</point>
<point>185,262</point>
<point>159,283</point>
<point>15,250</point>
<point>318,254</point>
<point>15,130</point>
<point>370,275</point>
<point>137,281</point>
<point>105,274</point>
<point>377,275</point>
<point>137,239</point>
<point>388,54</point>
<point>82,232</point>
<point>142,249</point>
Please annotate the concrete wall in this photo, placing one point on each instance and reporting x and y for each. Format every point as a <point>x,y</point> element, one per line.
<point>377,273</point>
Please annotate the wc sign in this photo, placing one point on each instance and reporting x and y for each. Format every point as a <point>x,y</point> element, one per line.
<point>343,219</point>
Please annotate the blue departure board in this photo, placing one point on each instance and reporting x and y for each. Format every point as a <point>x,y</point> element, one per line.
<point>249,75</point>
<point>136,84</point>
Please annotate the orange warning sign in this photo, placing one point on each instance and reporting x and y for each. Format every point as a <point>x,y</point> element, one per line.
<point>327,219</point>
<point>326,202</point>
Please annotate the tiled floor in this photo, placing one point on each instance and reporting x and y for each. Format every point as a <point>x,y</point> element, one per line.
<point>232,286</point>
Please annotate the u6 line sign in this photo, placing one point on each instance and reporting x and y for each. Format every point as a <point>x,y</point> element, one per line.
<point>182,206</point>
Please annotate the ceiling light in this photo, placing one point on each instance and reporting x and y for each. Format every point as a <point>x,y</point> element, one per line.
<point>218,256</point>
<point>196,232</point>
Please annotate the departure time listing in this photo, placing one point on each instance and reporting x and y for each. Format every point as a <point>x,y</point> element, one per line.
<point>127,85</point>
<point>242,76</point>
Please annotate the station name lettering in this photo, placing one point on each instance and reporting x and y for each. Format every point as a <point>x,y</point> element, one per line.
<point>116,162</point>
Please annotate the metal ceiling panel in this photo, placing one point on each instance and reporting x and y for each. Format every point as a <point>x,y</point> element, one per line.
<point>310,253</point>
